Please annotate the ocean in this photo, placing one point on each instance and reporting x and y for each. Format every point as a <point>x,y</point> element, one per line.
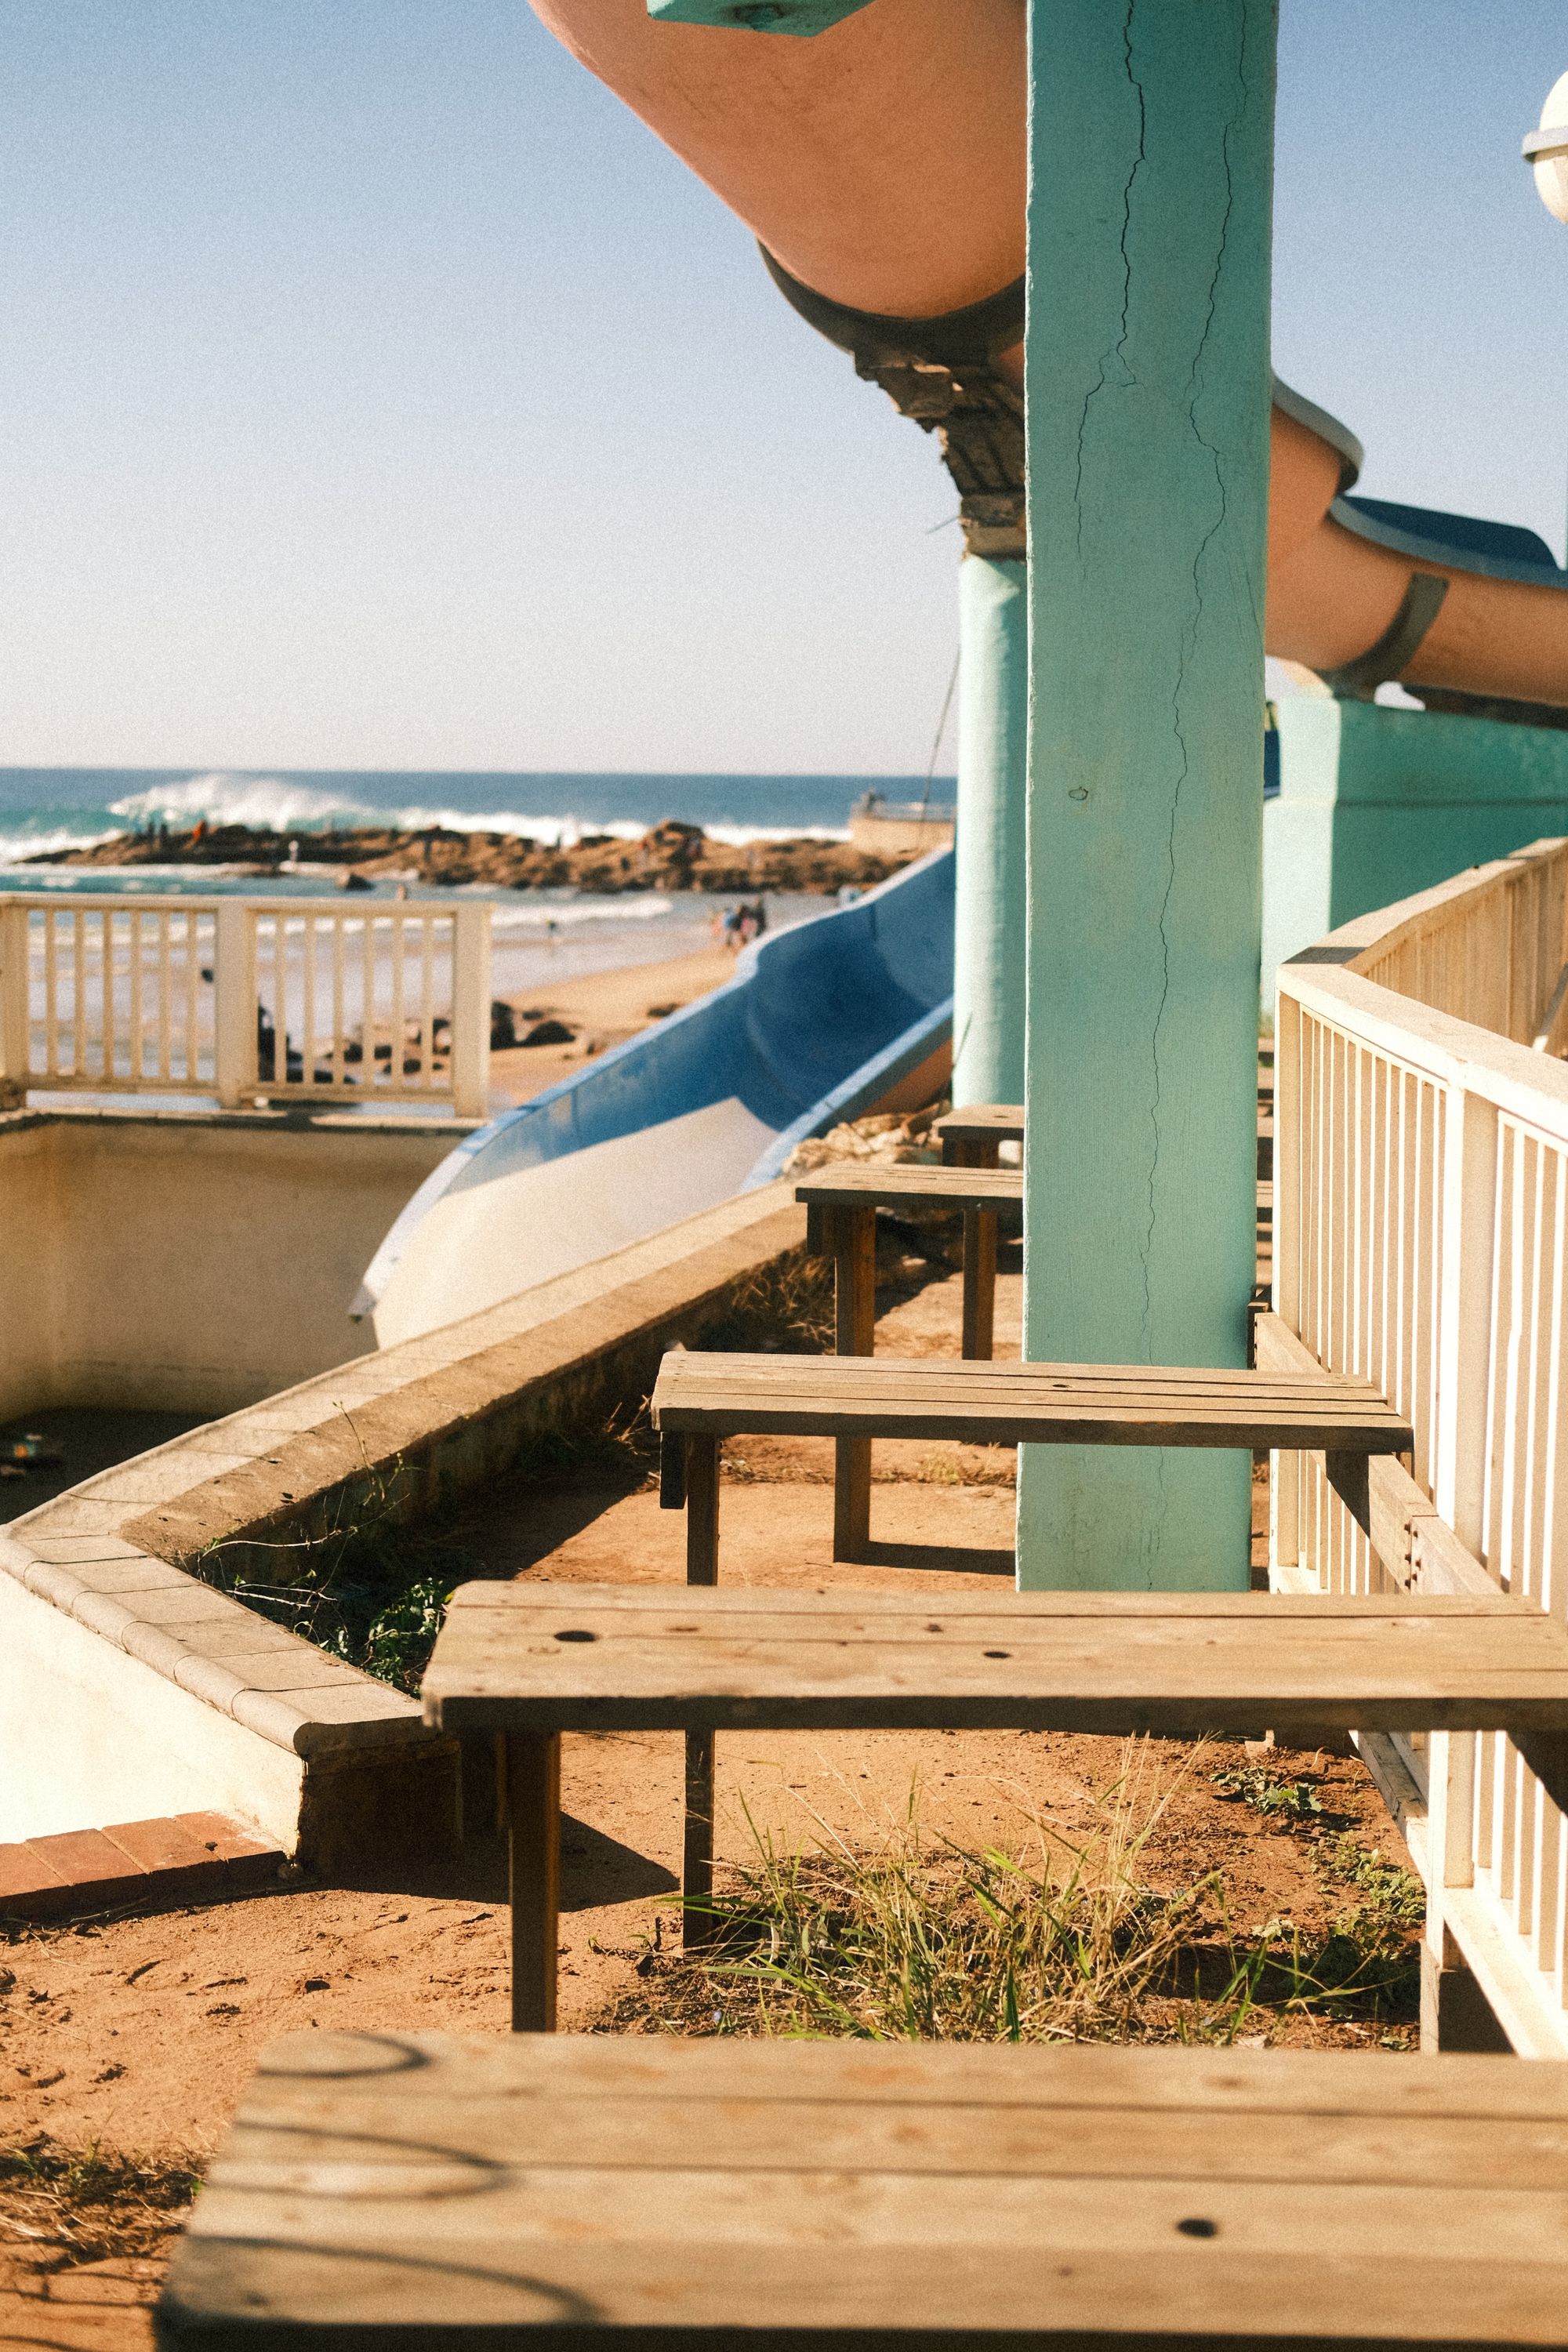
<point>538,933</point>
<point>44,809</point>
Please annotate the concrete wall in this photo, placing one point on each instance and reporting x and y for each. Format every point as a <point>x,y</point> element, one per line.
<point>1375,804</point>
<point>191,1261</point>
<point>130,1688</point>
<point>92,1736</point>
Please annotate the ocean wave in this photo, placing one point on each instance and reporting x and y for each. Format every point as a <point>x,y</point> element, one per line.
<point>278,805</point>
<point>16,847</point>
<point>267,804</point>
<point>635,906</point>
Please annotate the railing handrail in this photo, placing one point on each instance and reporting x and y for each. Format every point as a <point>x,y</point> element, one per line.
<point>341,902</point>
<point>1367,937</point>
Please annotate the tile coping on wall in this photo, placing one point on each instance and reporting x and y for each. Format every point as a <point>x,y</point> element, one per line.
<point>110,1551</point>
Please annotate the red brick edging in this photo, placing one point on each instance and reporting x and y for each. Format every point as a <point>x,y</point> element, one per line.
<point>89,1870</point>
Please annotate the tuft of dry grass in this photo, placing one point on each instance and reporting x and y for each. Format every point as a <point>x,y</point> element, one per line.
<point>68,2206</point>
<point>922,1939</point>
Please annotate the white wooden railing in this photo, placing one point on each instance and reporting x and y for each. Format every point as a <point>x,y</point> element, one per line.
<point>274,1000</point>
<point>1421,1238</point>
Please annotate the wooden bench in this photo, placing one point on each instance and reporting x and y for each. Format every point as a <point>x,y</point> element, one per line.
<point>700,1398</point>
<point>532,1661</point>
<point>972,1137</point>
<point>841,1221</point>
<point>451,2192</point>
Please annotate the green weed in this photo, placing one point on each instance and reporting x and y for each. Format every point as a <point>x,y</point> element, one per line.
<point>1269,1792</point>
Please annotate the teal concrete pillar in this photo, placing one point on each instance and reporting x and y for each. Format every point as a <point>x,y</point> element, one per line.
<point>992,911</point>
<point>1148,391</point>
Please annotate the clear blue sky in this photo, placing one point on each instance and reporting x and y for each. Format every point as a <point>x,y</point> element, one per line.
<point>378,393</point>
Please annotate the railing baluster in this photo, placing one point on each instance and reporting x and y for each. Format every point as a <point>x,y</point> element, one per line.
<point>162,923</point>
<point>193,997</point>
<point>78,994</point>
<point>368,1024</point>
<point>399,954</point>
<point>308,1063</point>
<point>51,995</point>
<point>426,1002</point>
<point>339,1067</point>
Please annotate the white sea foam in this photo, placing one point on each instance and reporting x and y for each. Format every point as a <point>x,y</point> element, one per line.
<point>268,803</point>
<point>16,847</point>
<point>274,804</point>
<point>635,906</point>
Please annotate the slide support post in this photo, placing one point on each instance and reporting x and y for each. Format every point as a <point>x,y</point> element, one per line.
<point>990,911</point>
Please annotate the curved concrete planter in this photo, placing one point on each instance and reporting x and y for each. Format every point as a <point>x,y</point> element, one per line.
<point>164,1693</point>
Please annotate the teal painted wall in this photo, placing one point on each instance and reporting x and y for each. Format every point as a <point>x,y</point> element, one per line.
<point>1148,391</point>
<point>991,913</point>
<point>1377,803</point>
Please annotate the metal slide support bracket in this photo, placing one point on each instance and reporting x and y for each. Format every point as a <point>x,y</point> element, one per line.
<point>803,16</point>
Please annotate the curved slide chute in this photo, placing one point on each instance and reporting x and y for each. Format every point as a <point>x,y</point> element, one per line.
<point>881,165</point>
<point>842,1014</point>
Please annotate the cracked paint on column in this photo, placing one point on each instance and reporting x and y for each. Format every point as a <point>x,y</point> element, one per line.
<point>1148,385</point>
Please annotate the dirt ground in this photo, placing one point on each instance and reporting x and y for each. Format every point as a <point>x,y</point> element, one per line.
<point>134,2033</point>
<point>602,1009</point>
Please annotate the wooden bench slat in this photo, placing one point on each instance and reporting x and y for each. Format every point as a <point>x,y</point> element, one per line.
<point>980,1122</point>
<point>548,1658</point>
<point>865,1398</point>
<point>935,1188</point>
<point>701,1366</point>
<point>855,2195</point>
<point>802,1604</point>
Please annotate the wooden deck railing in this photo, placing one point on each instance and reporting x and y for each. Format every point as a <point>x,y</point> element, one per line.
<point>278,999</point>
<point>1421,1239</point>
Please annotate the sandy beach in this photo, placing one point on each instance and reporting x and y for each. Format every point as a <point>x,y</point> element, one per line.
<point>602,1009</point>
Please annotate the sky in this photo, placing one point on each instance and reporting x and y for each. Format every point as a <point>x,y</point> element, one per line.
<point>377,392</point>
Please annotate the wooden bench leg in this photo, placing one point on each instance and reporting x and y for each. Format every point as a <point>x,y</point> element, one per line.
<point>697,1856</point>
<point>533,1838</point>
<point>701,1568</point>
<point>979,1285</point>
<point>702,1510</point>
<point>855,1332</point>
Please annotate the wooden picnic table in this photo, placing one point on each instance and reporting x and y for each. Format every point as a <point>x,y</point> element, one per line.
<point>457,2191</point>
<point>841,1221</point>
<point>841,1206</point>
<point>972,1137</point>
<point>700,1398</point>
<point>530,1661</point>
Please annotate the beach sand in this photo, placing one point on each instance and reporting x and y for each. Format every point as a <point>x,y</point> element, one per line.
<point>602,1009</point>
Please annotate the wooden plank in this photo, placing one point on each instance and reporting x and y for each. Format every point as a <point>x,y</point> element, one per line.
<point>1022,1403</point>
<point>556,1658</point>
<point>687,1367</point>
<point>981,1123</point>
<point>1119,1611</point>
<point>928,1188</point>
<point>718,2190</point>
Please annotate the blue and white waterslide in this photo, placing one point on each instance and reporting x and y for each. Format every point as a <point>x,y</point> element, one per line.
<point>821,1023</point>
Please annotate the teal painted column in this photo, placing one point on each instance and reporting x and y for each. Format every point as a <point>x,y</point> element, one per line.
<point>1150,172</point>
<point>992,911</point>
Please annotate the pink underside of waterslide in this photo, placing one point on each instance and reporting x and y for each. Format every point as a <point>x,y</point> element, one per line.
<point>883,163</point>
